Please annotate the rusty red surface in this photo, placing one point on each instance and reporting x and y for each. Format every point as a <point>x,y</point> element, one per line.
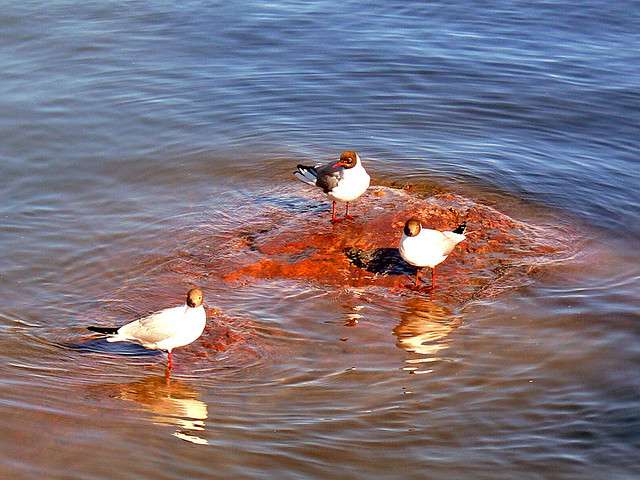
<point>500,252</point>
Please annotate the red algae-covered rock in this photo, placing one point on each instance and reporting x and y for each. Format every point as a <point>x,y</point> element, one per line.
<point>292,239</point>
<point>219,335</point>
<point>289,237</point>
<point>500,252</point>
<point>222,334</point>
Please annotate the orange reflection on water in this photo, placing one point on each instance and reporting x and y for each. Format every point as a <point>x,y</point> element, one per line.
<point>170,402</point>
<point>424,329</point>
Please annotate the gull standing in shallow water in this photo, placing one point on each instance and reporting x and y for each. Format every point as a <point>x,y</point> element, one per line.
<point>423,247</point>
<point>165,329</point>
<point>342,181</point>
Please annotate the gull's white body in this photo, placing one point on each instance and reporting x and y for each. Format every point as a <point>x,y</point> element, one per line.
<point>352,184</point>
<point>164,330</point>
<point>343,180</point>
<point>429,247</point>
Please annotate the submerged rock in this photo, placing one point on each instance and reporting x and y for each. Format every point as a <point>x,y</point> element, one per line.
<point>289,237</point>
<point>499,253</point>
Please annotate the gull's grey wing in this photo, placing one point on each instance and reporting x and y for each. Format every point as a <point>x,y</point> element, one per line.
<point>328,176</point>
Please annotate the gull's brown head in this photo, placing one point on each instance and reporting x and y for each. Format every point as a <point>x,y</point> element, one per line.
<point>412,227</point>
<point>348,159</point>
<point>194,297</point>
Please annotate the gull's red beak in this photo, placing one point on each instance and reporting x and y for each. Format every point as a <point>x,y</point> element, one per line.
<point>338,164</point>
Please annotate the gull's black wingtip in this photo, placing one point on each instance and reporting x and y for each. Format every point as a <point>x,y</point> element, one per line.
<point>105,330</point>
<point>309,168</point>
<point>461,228</point>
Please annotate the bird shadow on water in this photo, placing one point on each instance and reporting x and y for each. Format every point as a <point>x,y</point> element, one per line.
<point>381,261</point>
<point>101,345</point>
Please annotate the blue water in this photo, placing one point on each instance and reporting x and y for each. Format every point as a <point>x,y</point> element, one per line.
<point>541,99</point>
<point>121,120</point>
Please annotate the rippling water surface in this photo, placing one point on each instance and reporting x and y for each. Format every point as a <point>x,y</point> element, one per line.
<point>136,133</point>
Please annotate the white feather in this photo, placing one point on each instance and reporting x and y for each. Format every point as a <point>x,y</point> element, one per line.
<point>429,247</point>
<point>305,176</point>
<point>164,330</point>
<point>353,182</point>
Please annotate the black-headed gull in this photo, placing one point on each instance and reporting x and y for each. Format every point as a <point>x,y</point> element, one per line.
<point>423,247</point>
<point>342,181</point>
<point>166,329</point>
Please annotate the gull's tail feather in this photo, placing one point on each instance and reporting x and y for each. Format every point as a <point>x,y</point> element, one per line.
<point>105,330</point>
<point>461,228</point>
<point>306,174</point>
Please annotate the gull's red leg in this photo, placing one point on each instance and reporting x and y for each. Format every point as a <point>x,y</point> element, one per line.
<point>417,276</point>
<point>169,361</point>
<point>346,214</point>
<point>333,213</point>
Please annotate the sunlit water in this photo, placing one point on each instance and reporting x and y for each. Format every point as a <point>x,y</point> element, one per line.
<point>134,134</point>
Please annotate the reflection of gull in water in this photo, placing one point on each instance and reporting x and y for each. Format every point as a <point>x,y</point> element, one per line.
<point>171,402</point>
<point>424,329</point>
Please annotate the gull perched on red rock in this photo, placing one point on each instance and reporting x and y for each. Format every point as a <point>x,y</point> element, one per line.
<point>343,180</point>
<point>423,247</point>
